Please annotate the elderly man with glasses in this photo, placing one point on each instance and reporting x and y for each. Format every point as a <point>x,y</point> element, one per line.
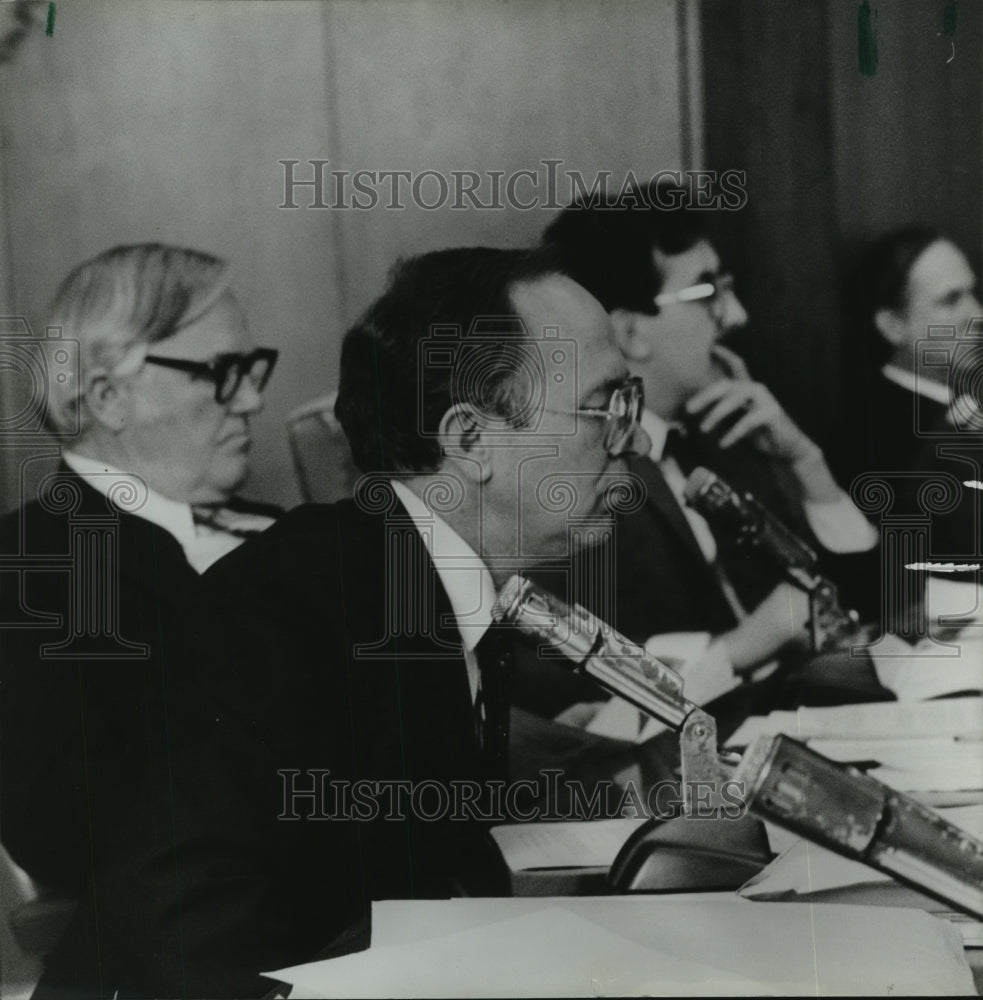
<point>714,605</point>
<point>154,428</point>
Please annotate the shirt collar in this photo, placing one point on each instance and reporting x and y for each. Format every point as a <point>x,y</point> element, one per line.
<point>462,571</point>
<point>171,515</point>
<point>658,430</point>
<point>935,391</point>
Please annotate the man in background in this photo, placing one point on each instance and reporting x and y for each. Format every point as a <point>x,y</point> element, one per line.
<point>916,409</point>
<point>657,273</point>
<point>352,644</point>
<point>155,432</point>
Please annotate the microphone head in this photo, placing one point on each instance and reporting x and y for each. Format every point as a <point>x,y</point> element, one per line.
<point>699,479</point>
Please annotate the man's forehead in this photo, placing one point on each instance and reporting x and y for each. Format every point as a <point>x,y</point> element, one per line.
<point>940,268</point>
<point>695,264</point>
<point>569,325</point>
<point>221,329</point>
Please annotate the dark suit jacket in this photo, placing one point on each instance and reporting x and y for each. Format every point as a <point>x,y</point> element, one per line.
<point>663,581</point>
<point>326,643</point>
<point>82,723</point>
<point>883,430</point>
<point>907,440</point>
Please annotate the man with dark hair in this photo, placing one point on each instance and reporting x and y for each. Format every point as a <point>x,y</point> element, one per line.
<point>912,285</point>
<point>349,656</point>
<point>153,420</point>
<point>660,278</point>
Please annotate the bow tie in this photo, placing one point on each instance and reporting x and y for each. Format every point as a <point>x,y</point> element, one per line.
<point>232,522</point>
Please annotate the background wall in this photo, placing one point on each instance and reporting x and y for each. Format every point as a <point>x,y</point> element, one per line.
<point>137,121</point>
<point>835,157</point>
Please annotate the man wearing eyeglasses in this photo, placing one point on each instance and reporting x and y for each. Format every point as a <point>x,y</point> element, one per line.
<point>349,651</point>
<point>671,305</point>
<point>154,425</point>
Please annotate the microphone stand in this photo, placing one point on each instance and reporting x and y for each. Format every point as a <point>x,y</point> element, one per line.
<point>831,625</point>
<point>730,852</point>
<point>780,779</point>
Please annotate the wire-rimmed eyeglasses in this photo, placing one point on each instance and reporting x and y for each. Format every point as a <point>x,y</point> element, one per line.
<point>623,413</point>
<point>711,292</point>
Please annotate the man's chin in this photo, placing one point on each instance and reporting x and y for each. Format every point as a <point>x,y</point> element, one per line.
<point>225,486</point>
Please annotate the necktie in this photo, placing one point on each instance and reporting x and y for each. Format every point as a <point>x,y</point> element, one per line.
<point>681,447</point>
<point>232,522</point>
<point>492,702</point>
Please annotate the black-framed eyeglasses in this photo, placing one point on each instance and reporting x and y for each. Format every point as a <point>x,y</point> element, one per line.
<point>711,293</point>
<point>227,370</point>
<point>623,414</point>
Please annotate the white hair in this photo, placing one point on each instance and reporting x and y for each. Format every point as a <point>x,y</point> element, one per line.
<point>127,296</point>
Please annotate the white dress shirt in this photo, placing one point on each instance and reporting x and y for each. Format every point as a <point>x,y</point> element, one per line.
<point>938,392</point>
<point>463,574</point>
<point>202,544</point>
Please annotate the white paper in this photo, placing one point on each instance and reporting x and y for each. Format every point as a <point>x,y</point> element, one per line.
<point>563,845</point>
<point>804,868</point>
<point>917,673</point>
<point>605,946</point>
<point>880,720</point>
<point>548,953</point>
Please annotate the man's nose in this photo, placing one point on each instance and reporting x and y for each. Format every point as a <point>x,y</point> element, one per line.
<point>733,315</point>
<point>247,398</point>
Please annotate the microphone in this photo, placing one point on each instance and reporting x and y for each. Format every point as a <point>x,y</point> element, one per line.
<point>615,662</point>
<point>743,517</point>
<point>857,816</point>
<point>752,524</point>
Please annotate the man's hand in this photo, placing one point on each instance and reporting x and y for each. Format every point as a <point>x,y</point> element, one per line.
<point>759,416</point>
<point>761,419</point>
<point>779,623</point>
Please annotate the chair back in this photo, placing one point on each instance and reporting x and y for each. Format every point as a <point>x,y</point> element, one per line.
<point>322,458</point>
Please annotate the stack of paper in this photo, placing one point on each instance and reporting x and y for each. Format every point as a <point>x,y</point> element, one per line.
<point>807,871</point>
<point>529,846</point>
<point>932,750</point>
<point>932,668</point>
<point>925,765</point>
<point>950,717</point>
<point>641,946</point>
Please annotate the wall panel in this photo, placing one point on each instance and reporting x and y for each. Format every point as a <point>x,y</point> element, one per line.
<point>139,121</point>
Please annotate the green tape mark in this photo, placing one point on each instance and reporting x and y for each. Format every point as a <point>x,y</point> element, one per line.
<point>866,39</point>
<point>50,29</point>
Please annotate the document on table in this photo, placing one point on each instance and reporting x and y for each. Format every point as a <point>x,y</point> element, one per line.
<point>595,844</point>
<point>880,720</point>
<point>913,765</point>
<point>916,673</point>
<point>805,869</point>
<point>604,946</point>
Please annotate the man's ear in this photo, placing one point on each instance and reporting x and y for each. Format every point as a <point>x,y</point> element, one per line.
<point>890,325</point>
<point>463,437</point>
<point>629,336</point>
<point>104,400</point>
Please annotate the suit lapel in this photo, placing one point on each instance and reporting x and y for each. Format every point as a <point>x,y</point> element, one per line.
<point>147,558</point>
<point>663,503</point>
<point>405,651</point>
